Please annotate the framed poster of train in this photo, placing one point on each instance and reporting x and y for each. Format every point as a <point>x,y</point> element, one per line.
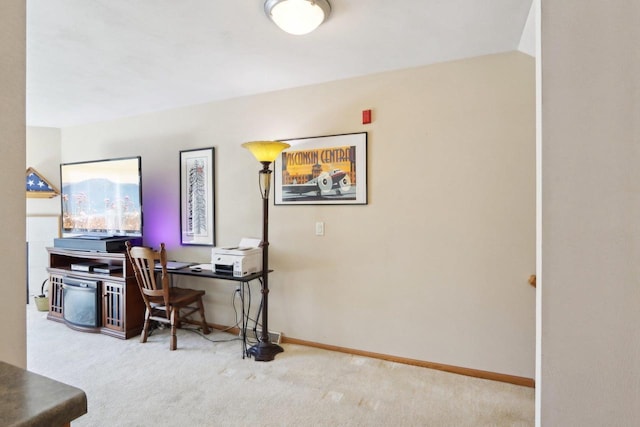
<point>322,170</point>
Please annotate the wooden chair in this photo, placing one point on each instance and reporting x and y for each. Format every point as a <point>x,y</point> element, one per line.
<point>163,303</point>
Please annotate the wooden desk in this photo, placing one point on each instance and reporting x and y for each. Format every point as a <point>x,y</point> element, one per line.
<point>243,282</point>
<point>28,399</point>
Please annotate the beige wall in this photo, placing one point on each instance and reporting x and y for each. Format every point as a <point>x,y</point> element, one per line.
<point>43,214</point>
<point>434,268</point>
<point>43,154</point>
<point>12,175</point>
<point>590,213</point>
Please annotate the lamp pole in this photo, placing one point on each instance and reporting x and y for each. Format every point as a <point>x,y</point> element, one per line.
<point>265,350</point>
<point>266,152</point>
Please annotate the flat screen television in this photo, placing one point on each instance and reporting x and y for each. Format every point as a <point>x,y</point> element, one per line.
<point>102,198</point>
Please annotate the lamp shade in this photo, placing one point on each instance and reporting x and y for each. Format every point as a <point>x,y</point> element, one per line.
<point>297,16</point>
<point>266,151</point>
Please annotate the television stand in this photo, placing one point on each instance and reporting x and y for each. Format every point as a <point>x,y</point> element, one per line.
<point>121,308</point>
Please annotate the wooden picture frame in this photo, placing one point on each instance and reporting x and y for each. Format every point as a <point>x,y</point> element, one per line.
<point>38,187</point>
<point>197,197</point>
<point>322,170</point>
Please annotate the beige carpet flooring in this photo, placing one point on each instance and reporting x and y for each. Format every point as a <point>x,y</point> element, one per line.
<point>207,383</point>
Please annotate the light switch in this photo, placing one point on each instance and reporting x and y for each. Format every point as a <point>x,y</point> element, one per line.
<point>319,228</point>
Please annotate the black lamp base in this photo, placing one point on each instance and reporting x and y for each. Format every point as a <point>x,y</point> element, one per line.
<point>264,351</point>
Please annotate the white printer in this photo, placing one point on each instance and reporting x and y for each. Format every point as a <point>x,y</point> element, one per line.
<point>238,261</point>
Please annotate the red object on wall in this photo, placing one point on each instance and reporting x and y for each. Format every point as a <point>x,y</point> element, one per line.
<point>366,117</point>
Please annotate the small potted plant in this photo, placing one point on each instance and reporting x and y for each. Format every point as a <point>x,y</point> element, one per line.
<point>42,301</point>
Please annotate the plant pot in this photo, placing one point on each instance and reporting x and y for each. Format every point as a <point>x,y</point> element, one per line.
<point>42,301</point>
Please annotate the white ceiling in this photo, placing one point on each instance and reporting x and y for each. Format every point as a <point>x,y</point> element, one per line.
<point>96,60</point>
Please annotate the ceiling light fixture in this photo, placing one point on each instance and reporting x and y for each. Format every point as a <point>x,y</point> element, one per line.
<point>297,16</point>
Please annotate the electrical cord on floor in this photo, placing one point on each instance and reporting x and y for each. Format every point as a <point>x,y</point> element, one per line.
<point>251,324</point>
<point>199,332</point>
<point>225,330</point>
<point>237,293</point>
<point>246,310</point>
<point>251,339</point>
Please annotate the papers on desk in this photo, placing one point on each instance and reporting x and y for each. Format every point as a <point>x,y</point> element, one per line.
<point>203,267</point>
<point>174,265</point>
<point>179,265</point>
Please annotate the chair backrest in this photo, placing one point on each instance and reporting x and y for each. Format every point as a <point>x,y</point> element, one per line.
<point>143,260</point>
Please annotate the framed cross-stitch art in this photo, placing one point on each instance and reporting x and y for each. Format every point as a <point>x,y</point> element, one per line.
<point>197,197</point>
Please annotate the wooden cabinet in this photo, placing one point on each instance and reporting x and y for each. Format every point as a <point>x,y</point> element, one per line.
<point>121,305</point>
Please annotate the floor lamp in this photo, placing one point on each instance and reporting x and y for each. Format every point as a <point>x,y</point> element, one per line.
<point>265,152</point>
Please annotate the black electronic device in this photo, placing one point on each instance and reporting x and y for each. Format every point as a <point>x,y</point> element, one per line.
<point>110,244</point>
<point>108,269</point>
<point>87,265</point>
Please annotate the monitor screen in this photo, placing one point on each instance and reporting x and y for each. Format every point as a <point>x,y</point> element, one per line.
<point>102,198</point>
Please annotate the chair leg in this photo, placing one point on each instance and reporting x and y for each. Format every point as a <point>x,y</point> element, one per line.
<point>205,327</point>
<point>145,328</point>
<point>174,338</point>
